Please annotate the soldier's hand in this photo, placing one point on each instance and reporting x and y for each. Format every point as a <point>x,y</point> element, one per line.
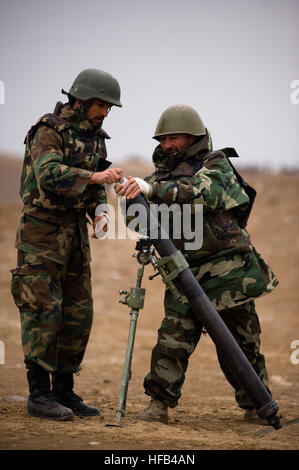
<point>119,189</point>
<point>109,176</point>
<point>133,189</point>
<point>130,189</point>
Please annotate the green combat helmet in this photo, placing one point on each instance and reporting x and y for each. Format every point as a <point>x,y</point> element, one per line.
<point>179,119</point>
<point>93,83</point>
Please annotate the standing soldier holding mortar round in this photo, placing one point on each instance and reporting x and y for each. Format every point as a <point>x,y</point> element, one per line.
<point>64,173</point>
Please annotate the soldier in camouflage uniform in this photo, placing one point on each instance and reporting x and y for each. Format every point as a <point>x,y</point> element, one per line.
<point>227,266</point>
<point>64,173</point>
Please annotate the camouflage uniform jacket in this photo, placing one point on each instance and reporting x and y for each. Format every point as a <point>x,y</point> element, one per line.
<point>62,152</point>
<point>227,266</point>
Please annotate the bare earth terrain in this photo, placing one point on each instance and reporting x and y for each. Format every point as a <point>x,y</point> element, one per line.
<point>207,417</point>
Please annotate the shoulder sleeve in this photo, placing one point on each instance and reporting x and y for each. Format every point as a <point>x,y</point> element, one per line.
<point>50,171</point>
<point>46,140</point>
<point>217,187</point>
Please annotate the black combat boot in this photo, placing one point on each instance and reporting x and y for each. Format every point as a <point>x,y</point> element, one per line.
<point>62,389</point>
<point>41,402</point>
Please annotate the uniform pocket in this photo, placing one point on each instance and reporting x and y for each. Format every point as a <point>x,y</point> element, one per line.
<point>30,287</point>
<point>41,231</point>
<point>46,233</point>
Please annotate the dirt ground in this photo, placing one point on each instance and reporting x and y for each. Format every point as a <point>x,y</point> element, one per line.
<point>207,416</point>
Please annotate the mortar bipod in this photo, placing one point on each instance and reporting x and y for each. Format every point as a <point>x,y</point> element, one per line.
<point>135,301</point>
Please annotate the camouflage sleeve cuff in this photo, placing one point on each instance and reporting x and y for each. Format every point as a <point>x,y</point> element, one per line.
<point>158,190</point>
<point>82,180</point>
<point>170,192</point>
<point>152,190</point>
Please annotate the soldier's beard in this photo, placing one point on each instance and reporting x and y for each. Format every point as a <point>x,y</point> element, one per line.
<point>172,152</point>
<point>96,123</point>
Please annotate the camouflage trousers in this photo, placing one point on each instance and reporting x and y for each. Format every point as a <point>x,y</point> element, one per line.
<point>56,310</point>
<point>177,339</point>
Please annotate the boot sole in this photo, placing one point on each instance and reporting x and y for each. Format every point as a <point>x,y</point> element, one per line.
<point>153,420</point>
<point>86,415</point>
<point>58,418</point>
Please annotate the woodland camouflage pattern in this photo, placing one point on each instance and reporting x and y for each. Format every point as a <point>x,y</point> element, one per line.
<point>62,152</point>
<point>51,284</point>
<point>227,266</point>
<point>56,309</point>
<point>178,337</point>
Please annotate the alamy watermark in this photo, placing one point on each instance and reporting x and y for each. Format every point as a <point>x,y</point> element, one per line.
<point>2,353</point>
<point>175,222</point>
<point>2,92</point>
<point>295,354</point>
<point>294,96</point>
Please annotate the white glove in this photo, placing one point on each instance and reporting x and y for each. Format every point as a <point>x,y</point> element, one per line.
<point>99,229</point>
<point>143,185</point>
<point>101,210</point>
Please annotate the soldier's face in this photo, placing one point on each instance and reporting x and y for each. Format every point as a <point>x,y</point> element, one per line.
<point>98,111</point>
<point>174,143</point>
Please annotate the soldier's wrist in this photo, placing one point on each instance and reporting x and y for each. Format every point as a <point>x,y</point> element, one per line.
<point>96,178</point>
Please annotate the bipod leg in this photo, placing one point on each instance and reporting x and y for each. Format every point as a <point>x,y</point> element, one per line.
<point>127,372</point>
<point>135,300</point>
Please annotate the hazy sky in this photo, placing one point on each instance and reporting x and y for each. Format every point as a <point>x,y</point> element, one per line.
<point>232,60</point>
